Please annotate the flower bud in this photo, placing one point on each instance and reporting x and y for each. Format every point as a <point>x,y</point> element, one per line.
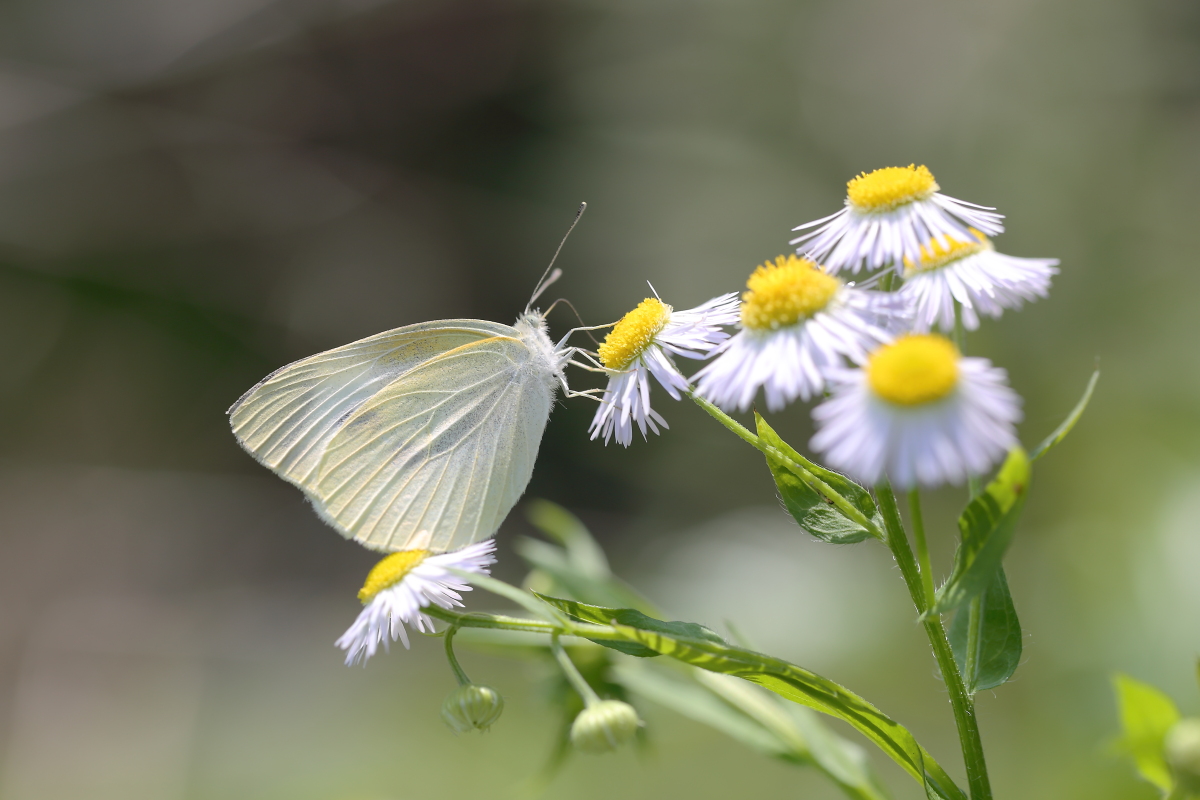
<point>472,708</point>
<point>604,726</point>
<point>1181,746</point>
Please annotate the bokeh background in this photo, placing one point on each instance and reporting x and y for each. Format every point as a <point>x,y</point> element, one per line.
<point>194,193</point>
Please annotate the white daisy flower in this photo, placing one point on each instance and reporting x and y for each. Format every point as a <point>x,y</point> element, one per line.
<point>797,321</point>
<point>403,583</point>
<point>920,413</point>
<point>641,345</point>
<point>971,272</point>
<point>888,214</point>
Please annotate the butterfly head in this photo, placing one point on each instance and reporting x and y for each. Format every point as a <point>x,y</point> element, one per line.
<point>532,328</point>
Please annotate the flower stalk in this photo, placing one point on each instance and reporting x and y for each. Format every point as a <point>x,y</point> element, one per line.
<point>581,686</point>
<point>918,523</point>
<point>960,698</point>
<point>455,667</point>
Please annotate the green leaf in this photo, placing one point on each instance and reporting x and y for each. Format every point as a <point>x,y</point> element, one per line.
<point>986,527</point>
<point>813,512</point>
<point>998,648</point>
<point>1146,716</point>
<point>806,688</point>
<point>1062,430</point>
<point>761,721</point>
<point>696,645</point>
<point>584,554</point>
<point>600,615</point>
<point>843,761</point>
<point>557,563</point>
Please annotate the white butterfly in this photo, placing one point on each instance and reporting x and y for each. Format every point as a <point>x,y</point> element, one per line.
<point>422,437</point>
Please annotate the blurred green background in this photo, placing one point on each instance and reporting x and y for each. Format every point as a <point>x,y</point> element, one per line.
<point>194,193</point>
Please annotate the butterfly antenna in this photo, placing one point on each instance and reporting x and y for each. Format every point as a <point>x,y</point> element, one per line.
<point>549,277</point>
<point>571,306</point>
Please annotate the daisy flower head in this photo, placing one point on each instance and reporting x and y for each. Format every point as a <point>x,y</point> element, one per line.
<point>403,583</point>
<point>919,412</point>
<point>797,322</point>
<point>970,272</point>
<point>642,344</point>
<point>888,214</point>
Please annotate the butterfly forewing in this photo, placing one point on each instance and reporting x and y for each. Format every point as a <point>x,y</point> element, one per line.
<point>289,418</point>
<point>436,459</point>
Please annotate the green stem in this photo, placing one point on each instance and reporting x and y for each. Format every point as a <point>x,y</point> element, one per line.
<point>960,330</point>
<point>793,462</point>
<point>960,700</point>
<point>918,523</point>
<point>476,619</point>
<point>590,698</point>
<point>463,680</point>
<point>493,621</point>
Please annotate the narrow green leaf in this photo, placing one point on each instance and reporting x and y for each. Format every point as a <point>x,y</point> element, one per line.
<point>839,758</point>
<point>804,687</point>
<point>1062,430</point>
<point>600,615</point>
<point>763,707</point>
<point>1146,716</point>
<point>583,552</point>
<point>999,644</point>
<point>814,513</point>
<point>986,527</point>
<point>628,648</point>
<point>556,562</point>
<point>843,761</point>
<point>696,645</point>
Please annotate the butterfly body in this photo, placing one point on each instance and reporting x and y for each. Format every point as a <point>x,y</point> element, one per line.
<point>422,437</point>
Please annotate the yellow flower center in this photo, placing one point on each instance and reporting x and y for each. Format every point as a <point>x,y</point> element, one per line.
<point>786,292</point>
<point>630,337</point>
<point>390,571</point>
<point>935,256</point>
<point>891,187</point>
<point>914,369</point>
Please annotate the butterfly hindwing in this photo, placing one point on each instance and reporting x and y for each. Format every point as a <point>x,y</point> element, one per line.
<point>437,458</point>
<point>287,420</point>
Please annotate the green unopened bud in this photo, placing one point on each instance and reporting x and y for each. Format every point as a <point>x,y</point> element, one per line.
<point>1182,750</point>
<point>604,726</point>
<point>472,708</point>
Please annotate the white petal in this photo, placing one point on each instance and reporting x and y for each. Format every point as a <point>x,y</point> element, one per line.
<point>945,441</point>
<point>852,239</point>
<point>384,617</point>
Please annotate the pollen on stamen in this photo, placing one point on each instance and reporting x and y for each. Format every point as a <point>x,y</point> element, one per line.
<point>390,571</point>
<point>786,292</point>
<point>935,255</point>
<point>891,187</point>
<point>630,337</point>
<point>915,369</point>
